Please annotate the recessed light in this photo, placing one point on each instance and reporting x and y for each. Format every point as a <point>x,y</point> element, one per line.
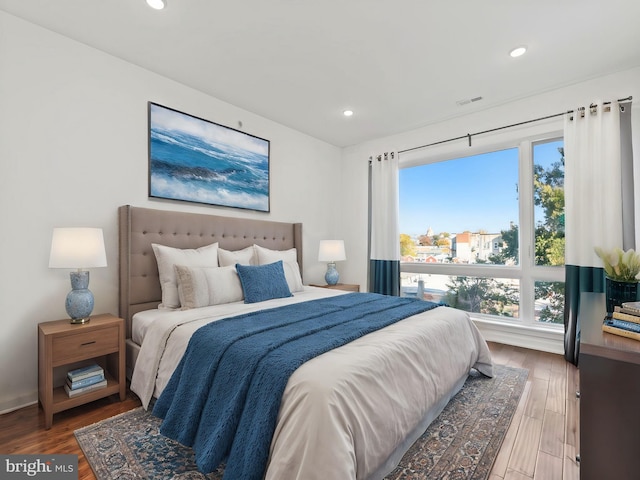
<point>157,4</point>
<point>347,113</point>
<point>518,51</point>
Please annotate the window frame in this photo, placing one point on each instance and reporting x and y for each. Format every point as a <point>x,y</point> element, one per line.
<point>526,272</point>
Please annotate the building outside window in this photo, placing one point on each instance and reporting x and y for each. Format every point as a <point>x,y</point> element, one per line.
<point>485,233</point>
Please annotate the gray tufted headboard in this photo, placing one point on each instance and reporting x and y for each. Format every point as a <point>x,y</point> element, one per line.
<point>140,227</point>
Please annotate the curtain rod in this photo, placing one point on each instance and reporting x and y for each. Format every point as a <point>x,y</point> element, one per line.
<point>469,135</point>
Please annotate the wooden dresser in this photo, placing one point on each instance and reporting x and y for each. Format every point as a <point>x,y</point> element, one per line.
<point>609,367</point>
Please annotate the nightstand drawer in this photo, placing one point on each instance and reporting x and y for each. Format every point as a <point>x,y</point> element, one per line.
<point>79,346</point>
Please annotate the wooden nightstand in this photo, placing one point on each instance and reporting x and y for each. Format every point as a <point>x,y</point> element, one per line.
<point>341,286</point>
<point>62,345</point>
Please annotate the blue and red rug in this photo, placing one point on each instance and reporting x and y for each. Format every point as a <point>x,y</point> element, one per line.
<point>462,443</point>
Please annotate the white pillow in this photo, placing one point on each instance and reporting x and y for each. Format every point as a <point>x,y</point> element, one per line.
<point>167,257</point>
<point>289,262</point>
<point>204,286</point>
<point>246,256</point>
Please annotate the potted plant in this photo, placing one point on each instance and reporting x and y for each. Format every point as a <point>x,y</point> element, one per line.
<point>621,272</point>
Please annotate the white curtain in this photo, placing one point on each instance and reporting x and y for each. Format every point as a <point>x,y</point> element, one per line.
<point>593,194</point>
<point>384,267</point>
<point>597,179</point>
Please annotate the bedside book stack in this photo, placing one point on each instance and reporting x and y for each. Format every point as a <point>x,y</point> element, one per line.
<point>85,379</point>
<point>624,321</point>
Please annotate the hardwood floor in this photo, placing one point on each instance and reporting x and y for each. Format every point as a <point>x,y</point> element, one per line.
<point>23,431</point>
<point>541,443</point>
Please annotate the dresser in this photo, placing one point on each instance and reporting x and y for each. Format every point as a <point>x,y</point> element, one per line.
<point>609,367</point>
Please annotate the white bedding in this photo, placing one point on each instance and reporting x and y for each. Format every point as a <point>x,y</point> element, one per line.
<point>351,412</point>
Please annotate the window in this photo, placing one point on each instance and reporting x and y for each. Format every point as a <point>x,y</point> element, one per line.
<point>492,227</point>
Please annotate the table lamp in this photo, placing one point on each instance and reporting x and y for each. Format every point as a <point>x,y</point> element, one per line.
<point>331,251</point>
<point>79,248</point>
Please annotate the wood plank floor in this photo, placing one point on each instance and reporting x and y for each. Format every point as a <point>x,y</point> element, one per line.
<point>541,443</point>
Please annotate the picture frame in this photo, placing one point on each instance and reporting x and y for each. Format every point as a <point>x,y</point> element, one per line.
<point>195,160</point>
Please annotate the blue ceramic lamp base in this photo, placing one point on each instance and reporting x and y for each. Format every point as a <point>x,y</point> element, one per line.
<point>79,302</point>
<point>332,276</point>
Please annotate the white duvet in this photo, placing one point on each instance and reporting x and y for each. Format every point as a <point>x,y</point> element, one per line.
<point>351,412</point>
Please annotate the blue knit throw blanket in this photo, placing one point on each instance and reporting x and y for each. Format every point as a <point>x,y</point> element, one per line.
<point>224,396</point>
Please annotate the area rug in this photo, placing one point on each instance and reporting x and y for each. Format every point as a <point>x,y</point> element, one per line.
<point>461,444</point>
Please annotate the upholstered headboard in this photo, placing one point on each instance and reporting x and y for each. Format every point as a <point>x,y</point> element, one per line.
<point>140,227</point>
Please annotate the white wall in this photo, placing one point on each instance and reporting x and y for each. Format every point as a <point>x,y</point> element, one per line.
<point>73,147</point>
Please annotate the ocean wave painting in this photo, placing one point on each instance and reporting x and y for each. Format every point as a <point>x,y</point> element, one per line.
<point>195,160</point>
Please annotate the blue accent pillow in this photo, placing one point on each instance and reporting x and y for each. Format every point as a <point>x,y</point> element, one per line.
<point>263,282</point>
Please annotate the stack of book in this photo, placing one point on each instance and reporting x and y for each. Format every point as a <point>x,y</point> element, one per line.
<point>624,321</point>
<point>85,379</point>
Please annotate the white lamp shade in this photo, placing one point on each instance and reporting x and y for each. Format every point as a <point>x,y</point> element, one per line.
<point>77,248</point>
<point>331,251</point>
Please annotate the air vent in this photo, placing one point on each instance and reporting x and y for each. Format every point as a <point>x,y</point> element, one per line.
<point>467,101</point>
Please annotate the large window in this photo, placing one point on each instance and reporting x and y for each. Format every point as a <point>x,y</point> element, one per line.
<point>485,233</point>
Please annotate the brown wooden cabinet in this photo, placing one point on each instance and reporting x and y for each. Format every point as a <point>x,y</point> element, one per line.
<point>62,345</point>
<point>609,367</point>
<point>341,286</point>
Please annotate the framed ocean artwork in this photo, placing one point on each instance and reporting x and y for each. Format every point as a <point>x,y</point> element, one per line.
<point>195,160</point>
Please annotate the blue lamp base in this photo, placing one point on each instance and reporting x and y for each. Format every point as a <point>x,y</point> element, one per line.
<point>79,302</point>
<point>332,276</point>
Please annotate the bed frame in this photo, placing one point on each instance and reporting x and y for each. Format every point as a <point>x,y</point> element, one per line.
<point>140,227</point>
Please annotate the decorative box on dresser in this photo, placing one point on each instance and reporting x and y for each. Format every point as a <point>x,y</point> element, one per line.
<point>61,346</point>
<point>350,287</point>
<point>609,367</point>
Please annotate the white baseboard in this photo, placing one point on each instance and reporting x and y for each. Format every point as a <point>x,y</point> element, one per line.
<point>12,404</point>
<point>541,338</point>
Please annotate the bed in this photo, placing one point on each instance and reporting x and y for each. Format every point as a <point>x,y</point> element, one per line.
<point>349,413</point>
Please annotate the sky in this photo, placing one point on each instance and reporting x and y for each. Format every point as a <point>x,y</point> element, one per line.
<point>472,193</point>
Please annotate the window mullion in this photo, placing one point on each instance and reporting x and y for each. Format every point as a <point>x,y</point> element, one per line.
<point>526,231</point>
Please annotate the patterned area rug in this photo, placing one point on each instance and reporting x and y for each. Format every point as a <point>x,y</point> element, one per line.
<point>461,444</point>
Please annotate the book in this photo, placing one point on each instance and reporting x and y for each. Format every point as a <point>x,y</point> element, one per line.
<point>620,332</point>
<point>615,322</point>
<point>80,391</point>
<point>620,314</point>
<point>626,310</point>
<point>621,328</point>
<point>84,372</point>
<point>632,307</point>
<point>85,382</point>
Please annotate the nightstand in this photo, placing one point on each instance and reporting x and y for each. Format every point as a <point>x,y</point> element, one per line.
<point>63,346</point>
<point>350,287</point>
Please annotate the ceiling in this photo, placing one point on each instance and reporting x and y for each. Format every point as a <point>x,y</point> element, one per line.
<point>398,65</point>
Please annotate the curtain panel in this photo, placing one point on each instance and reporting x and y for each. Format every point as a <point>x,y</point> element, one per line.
<point>597,179</point>
<point>384,233</point>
